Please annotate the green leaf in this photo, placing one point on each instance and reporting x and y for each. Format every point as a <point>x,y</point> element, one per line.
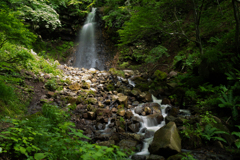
<point>236,133</point>
<point>237,143</point>
<point>39,156</point>
<point>220,139</point>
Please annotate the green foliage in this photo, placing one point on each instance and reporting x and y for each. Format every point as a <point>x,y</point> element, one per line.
<point>159,75</point>
<point>51,137</point>
<point>211,132</point>
<point>39,13</point>
<point>237,142</point>
<point>110,87</point>
<point>187,156</point>
<point>228,101</point>
<point>156,53</point>
<point>116,72</point>
<point>51,84</point>
<point>12,29</point>
<point>7,93</point>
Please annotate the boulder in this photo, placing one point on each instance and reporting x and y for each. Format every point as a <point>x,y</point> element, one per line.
<point>75,87</point>
<point>127,144</point>
<point>154,119</point>
<point>166,141</point>
<point>134,127</point>
<point>123,100</point>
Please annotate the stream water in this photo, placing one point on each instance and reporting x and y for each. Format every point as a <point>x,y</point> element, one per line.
<point>150,124</point>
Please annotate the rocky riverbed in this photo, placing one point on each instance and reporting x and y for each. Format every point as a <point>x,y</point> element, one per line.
<point>111,111</point>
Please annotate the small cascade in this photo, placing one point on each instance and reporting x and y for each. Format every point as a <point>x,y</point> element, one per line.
<point>150,125</point>
<point>86,55</point>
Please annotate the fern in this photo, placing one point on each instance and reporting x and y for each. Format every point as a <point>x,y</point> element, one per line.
<point>210,132</point>
<point>231,102</point>
<point>237,143</point>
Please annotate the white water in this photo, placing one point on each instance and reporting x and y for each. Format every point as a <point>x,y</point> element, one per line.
<point>150,125</point>
<point>86,55</point>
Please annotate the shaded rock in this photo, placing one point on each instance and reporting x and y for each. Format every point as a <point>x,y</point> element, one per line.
<point>136,119</point>
<point>128,144</point>
<point>139,157</point>
<point>99,126</point>
<point>166,101</point>
<point>107,102</point>
<point>135,103</point>
<point>92,100</point>
<point>177,120</point>
<point>128,114</point>
<point>104,112</point>
<point>155,157</point>
<point>134,127</point>
<point>91,115</point>
<point>174,111</point>
<point>154,119</point>
<point>107,143</point>
<point>166,141</point>
<point>148,97</point>
<point>114,110</point>
<point>149,134</point>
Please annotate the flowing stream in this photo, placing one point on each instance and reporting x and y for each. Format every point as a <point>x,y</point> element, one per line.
<point>150,124</point>
<point>86,55</point>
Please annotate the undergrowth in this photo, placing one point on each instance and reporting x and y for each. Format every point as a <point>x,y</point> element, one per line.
<point>48,135</point>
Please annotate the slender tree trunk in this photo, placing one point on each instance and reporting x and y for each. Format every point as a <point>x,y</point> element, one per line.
<point>236,16</point>
<point>197,17</point>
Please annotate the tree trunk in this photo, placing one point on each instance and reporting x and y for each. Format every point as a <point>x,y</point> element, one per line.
<point>236,16</point>
<point>197,17</point>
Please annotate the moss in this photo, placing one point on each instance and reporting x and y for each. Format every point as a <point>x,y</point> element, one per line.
<point>110,87</point>
<point>159,75</point>
<point>115,72</point>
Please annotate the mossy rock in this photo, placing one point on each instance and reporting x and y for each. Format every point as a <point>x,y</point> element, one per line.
<point>159,75</point>
<point>110,87</point>
<point>116,72</point>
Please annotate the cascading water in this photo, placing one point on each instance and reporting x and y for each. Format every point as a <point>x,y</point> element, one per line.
<point>86,55</point>
<point>150,125</point>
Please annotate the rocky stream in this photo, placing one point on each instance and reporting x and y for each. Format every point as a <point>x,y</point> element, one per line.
<point>111,111</point>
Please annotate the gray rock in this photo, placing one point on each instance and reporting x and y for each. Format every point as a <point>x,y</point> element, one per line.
<point>166,141</point>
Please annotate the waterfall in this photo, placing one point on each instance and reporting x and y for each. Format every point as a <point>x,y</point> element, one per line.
<point>86,55</point>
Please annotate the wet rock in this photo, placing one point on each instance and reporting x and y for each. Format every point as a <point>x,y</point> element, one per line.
<point>128,115</point>
<point>166,101</point>
<point>135,103</point>
<point>100,105</point>
<point>107,102</point>
<point>134,127</point>
<point>148,97</point>
<point>75,87</point>
<point>174,111</point>
<point>123,100</point>
<point>139,157</point>
<point>99,126</point>
<point>92,100</point>
<point>138,109</point>
<point>147,110</point>
<point>166,141</point>
<point>135,92</point>
<point>148,134</point>
<point>50,94</point>
<point>91,115</point>
<point>114,110</point>
<point>155,107</point>
<point>155,119</point>
<point>177,120</point>
<point>127,144</point>
<point>121,112</point>
<point>154,157</point>
<point>136,119</point>
<point>104,112</point>
<point>107,143</point>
